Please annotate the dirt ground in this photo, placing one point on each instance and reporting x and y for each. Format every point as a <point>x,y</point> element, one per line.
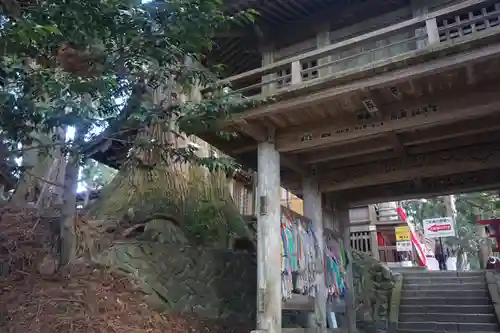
<point>85,298</point>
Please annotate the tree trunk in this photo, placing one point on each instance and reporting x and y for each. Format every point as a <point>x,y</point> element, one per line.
<point>148,184</point>
<point>68,211</point>
<point>38,163</point>
<point>86,200</point>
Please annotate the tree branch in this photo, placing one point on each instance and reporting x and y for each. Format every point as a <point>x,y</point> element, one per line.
<point>133,103</point>
<point>44,180</point>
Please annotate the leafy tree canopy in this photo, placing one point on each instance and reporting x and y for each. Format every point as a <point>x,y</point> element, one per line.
<point>106,64</point>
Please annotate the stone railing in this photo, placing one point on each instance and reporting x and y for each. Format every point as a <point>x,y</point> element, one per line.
<point>392,45</point>
<point>373,283</point>
<point>493,281</point>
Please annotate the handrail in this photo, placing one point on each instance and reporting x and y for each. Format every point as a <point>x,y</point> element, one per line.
<point>318,53</point>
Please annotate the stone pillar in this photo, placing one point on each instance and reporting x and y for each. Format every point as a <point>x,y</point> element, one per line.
<point>268,239</point>
<point>313,210</point>
<point>349,324</point>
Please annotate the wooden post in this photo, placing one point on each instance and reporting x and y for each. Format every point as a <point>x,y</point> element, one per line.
<point>322,40</point>
<point>350,310</point>
<point>313,210</point>
<point>268,239</point>
<point>267,59</point>
<point>296,72</point>
<point>432,31</point>
<point>419,9</point>
<point>373,231</point>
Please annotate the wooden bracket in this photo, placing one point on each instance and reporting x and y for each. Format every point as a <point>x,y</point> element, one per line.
<point>314,170</point>
<point>271,134</point>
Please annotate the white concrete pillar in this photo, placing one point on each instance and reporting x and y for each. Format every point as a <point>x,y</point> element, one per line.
<point>268,239</point>
<point>350,311</point>
<point>313,210</point>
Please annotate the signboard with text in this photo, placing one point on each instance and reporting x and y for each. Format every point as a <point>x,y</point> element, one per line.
<point>403,246</point>
<point>402,234</point>
<point>439,227</point>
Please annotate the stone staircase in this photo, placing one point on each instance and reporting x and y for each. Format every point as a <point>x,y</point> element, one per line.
<point>446,302</point>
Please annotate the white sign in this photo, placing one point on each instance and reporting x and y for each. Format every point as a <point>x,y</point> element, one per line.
<point>439,227</point>
<point>403,246</point>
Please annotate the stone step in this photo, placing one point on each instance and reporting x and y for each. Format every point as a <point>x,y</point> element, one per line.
<point>444,293</point>
<point>444,286</point>
<point>302,330</point>
<point>455,308</point>
<point>435,274</point>
<point>448,327</point>
<point>439,331</point>
<point>405,270</point>
<point>439,300</point>
<point>448,318</point>
<point>439,280</point>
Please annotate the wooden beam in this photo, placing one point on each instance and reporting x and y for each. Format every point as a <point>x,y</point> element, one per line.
<point>374,145</point>
<point>460,183</point>
<point>486,136</point>
<point>399,118</point>
<point>299,303</point>
<point>254,131</point>
<point>472,132</point>
<point>471,76</point>
<point>399,148</point>
<point>458,131</point>
<point>468,159</point>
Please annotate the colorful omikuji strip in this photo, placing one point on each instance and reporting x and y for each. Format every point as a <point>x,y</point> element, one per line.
<point>334,275</point>
<point>300,256</point>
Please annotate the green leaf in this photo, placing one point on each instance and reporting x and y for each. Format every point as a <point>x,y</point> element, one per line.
<point>50,29</point>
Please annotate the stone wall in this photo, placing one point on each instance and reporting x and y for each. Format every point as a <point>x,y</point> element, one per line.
<point>212,283</point>
<point>218,283</point>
